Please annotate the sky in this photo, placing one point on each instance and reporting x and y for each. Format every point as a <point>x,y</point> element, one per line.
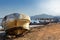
<point>30,7</point>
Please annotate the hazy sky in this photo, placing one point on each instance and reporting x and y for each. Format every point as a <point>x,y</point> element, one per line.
<point>30,7</point>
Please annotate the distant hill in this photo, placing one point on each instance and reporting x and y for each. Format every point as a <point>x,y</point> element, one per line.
<point>57,17</point>
<point>42,16</point>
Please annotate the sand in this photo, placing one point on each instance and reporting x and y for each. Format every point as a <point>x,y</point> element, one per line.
<point>47,32</point>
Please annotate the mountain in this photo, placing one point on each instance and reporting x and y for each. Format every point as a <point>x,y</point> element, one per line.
<point>57,16</point>
<point>42,16</point>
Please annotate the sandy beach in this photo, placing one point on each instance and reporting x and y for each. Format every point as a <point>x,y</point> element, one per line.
<point>48,32</point>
